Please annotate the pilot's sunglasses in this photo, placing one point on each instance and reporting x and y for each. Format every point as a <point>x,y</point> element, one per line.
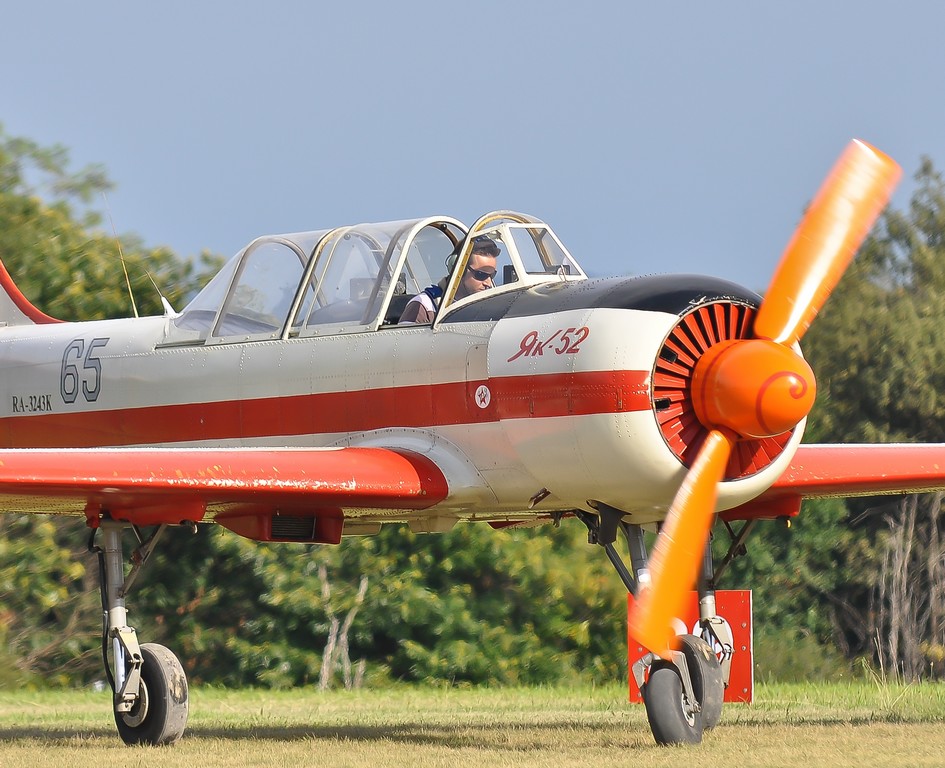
<point>480,275</point>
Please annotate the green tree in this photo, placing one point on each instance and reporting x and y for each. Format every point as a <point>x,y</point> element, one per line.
<point>470,606</point>
<point>51,240</point>
<point>48,608</point>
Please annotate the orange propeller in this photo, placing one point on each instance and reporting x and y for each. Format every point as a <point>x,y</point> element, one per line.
<point>760,387</point>
<point>837,221</point>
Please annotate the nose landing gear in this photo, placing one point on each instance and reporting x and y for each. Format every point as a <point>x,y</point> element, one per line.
<point>683,697</point>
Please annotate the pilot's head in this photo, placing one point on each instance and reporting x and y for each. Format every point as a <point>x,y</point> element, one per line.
<point>481,268</point>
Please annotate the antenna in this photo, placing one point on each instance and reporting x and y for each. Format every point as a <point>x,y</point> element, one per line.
<point>168,309</point>
<point>121,255</point>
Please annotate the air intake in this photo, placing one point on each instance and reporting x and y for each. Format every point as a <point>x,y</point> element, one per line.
<point>696,331</point>
<point>293,528</point>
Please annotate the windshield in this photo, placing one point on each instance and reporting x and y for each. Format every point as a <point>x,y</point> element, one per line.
<point>518,250</point>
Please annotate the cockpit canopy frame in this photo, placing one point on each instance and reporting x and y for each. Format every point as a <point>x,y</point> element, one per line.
<point>358,278</point>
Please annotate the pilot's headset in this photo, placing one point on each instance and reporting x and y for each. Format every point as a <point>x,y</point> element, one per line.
<point>480,243</point>
<point>453,258</point>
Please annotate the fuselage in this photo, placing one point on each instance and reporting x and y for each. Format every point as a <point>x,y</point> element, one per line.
<point>532,401</point>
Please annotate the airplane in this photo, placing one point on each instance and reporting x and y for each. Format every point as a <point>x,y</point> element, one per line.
<point>286,403</point>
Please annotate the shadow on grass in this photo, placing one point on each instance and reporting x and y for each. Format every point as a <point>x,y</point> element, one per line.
<point>507,738</point>
<point>62,736</point>
<point>511,738</point>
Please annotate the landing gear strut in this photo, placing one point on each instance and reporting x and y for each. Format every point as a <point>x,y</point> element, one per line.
<point>148,682</point>
<point>683,697</point>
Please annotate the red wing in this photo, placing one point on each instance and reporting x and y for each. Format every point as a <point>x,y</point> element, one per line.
<point>171,485</point>
<point>863,470</point>
<point>819,471</point>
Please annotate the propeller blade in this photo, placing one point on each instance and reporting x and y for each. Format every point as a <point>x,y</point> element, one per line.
<point>831,231</point>
<point>680,546</point>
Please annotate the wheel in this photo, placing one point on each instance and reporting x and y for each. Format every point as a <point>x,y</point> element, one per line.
<point>706,675</point>
<point>672,719</point>
<point>160,714</point>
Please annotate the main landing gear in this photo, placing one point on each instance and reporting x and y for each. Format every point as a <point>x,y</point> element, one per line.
<point>683,697</point>
<point>148,682</point>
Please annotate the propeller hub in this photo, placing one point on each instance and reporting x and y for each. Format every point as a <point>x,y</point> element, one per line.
<point>757,388</point>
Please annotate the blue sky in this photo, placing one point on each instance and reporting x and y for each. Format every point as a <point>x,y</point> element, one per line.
<point>653,137</point>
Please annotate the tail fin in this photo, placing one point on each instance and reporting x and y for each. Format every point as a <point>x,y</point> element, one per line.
<point>15,308</point>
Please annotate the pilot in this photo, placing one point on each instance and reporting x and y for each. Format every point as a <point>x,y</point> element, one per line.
<point>478,276</point>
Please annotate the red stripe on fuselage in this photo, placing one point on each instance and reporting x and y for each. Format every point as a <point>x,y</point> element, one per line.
<point>512,397</point>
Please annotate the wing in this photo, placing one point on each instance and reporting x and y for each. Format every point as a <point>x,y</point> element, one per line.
<point>820,471</point>
<point>863,470</point>
<point>245,489</point>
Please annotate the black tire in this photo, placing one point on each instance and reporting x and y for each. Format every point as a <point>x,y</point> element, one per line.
<point>672,720</point>
<point>706,675</point>
<point>160,714</point>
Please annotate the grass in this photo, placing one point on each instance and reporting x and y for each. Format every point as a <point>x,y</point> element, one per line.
<point>814,725</point>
